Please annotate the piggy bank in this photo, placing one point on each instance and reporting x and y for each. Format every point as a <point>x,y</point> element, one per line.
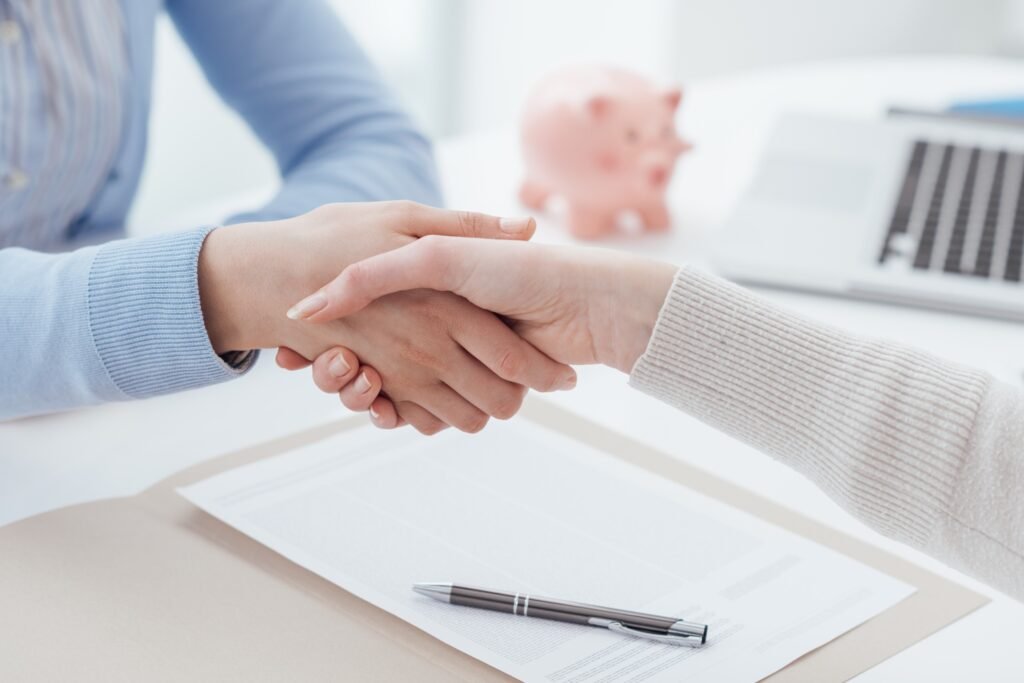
<point>603,140</point>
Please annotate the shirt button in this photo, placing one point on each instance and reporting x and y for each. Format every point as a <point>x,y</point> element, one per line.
<point>16,179</point>
<point>10,32</point>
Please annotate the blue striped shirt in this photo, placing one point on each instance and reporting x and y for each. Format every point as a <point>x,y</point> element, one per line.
<point>62,83</point>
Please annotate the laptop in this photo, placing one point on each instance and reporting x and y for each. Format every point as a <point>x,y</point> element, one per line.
<point>916,211</point>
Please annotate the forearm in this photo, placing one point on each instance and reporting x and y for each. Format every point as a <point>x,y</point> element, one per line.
<point>48,362</point>
<point>105,323</point>
<point>907,442</point>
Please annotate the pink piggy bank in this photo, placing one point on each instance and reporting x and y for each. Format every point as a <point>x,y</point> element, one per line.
<point>605,141</point>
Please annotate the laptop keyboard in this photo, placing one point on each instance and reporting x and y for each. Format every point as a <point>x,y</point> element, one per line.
<point>959,211</point>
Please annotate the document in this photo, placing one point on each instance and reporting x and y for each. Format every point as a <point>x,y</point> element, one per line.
<point>522,508</point>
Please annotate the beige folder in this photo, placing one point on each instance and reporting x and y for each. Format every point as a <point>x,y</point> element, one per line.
<point>150,588</point>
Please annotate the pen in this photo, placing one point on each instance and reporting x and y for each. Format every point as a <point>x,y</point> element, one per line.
<point>669,630</point>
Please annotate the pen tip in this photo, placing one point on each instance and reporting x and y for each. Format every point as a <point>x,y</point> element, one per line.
<point>437,591</point>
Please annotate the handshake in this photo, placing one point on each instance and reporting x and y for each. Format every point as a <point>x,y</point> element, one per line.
<point>426,316</point>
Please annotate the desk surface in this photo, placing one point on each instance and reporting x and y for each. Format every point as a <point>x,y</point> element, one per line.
<point>120,449</point>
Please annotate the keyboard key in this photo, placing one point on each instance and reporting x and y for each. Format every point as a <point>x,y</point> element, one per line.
<point>960,210</point>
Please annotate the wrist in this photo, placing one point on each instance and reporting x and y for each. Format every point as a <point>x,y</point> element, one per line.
<point>246,282</point>
<point>218,264</point>
<point>640,289</point>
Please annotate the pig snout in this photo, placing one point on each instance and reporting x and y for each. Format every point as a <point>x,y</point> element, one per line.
<point>657,168</point>
<point>657,175</point>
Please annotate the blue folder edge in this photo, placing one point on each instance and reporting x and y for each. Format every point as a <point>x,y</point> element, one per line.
<point>1000,107</point>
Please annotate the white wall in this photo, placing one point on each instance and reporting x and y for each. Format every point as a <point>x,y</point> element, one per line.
<point>464,65</point>
<point>507,46</point>
<point>727,35</point>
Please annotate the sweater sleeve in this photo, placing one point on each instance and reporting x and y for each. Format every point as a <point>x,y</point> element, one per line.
<point>924,450</point>
<point>114,322</point>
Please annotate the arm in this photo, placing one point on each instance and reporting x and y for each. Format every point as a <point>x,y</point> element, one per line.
<point>125,320</point>
<point>924,450</point>
<point>137,318</point>
<point>302,83</point>
<point>103,323</point>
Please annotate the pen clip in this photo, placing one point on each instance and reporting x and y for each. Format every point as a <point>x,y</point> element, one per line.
<point>619,627</point>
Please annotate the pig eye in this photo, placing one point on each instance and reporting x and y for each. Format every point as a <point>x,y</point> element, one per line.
<point>632,135</point>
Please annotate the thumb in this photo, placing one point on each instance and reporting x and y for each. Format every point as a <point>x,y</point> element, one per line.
<point>428,263</point>
<point>291,360</point>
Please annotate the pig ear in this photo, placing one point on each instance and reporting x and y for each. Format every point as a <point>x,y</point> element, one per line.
<point>598,105</point>
<point>673,96</point>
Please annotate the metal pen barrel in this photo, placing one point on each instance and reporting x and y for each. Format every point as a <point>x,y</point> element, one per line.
<point>524,604</point>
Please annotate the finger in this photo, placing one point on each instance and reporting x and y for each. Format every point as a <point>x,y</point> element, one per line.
<point>452,409</point>
<point>335,368</point>
<point>383,413</point>
<point>419,220</point>
<point>359,394</point>
<point>484,389</point>
<point>291,360</point>
<point>508,355</point>
<point>421,419</point>
<point>493,395</point>
<point>430,263</point>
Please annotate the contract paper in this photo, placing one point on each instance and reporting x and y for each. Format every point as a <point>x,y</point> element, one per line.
<point>525,509</point>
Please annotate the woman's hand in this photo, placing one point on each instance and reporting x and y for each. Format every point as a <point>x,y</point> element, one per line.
<point>250,273</point>
<point>576,305</point>
<point>441,359</point>
<point>358,386</point>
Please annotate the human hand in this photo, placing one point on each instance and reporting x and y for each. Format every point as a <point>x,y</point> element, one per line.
<point>442,359</point>
<point>577,305</point>
<point>358,386</point>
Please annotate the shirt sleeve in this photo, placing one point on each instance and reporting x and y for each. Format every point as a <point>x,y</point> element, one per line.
<point>924,450</point>
<point>298,78</point>
<point>115,322</point>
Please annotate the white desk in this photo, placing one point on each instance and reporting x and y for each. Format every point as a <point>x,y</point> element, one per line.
<point>120,449</point>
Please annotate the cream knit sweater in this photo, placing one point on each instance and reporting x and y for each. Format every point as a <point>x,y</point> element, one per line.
<point>923,450</point>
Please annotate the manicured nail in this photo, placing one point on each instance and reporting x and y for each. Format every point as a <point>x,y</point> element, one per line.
<point>338,367</point>
<point>569,383</point>
<point>308,306</point>
<point>514,226</point>
<point>362,383</point>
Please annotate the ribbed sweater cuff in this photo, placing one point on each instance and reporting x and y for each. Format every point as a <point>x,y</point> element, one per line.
<point>881,427</point>
<point>146,319</point>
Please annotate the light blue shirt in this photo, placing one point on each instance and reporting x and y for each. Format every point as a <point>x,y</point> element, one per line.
<point>123,320</point>
<point>63,70</point>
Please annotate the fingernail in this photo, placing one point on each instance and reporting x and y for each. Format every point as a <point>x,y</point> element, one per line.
<point>569,383</point>
<point>362,383</point>
<point>308,306</point>
<point>338,367</point>
<point>374,414</point>
<point>514,226</point>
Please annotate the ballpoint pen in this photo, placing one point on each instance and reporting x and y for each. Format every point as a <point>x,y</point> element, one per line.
<point>669,630</point>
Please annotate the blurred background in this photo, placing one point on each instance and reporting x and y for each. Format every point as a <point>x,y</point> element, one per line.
<point>464,65</point>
